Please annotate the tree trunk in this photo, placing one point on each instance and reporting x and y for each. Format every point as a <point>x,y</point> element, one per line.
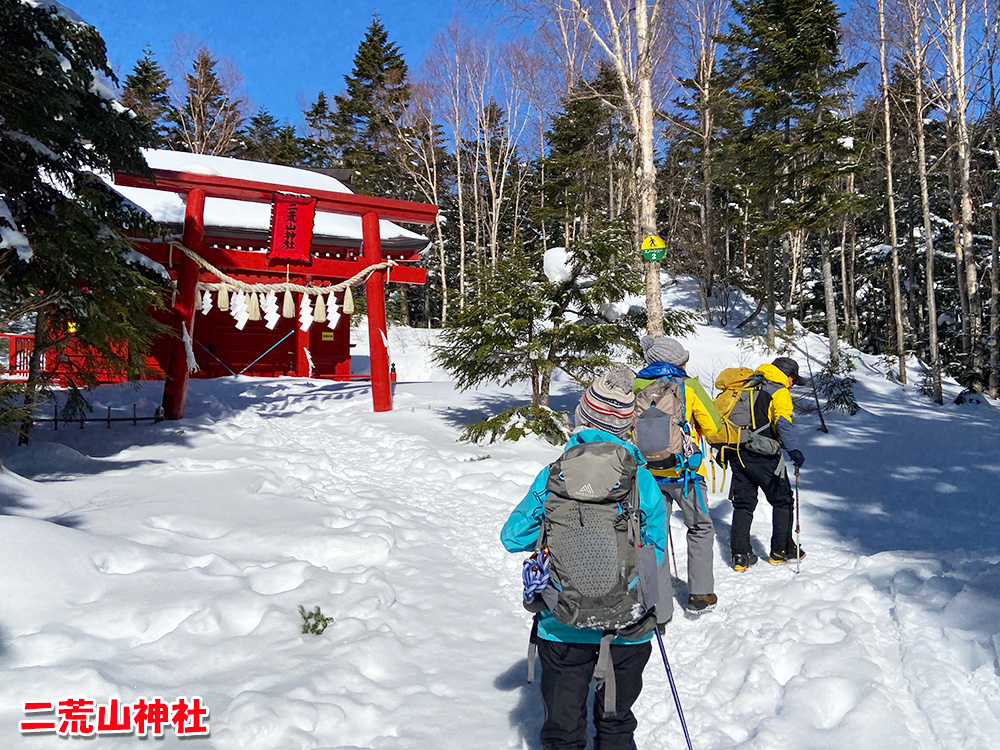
<point>993,37</point>
<point>545,383</point>
<point>705,67</point>
<point>958,244</point>
<point>769,290</point>
<point>36,378</point>
<point>916,32</point>
<point>994,380</point>
<point>444,273</point>
<point>897,301</point>
<point>647,168</point>
<point>843,265</point>
<point>913,311</point>
<point>852,287</point>
<point>404,304</point>
<point>956,44</point>
<point>830,299</point>
<point>460,197</point>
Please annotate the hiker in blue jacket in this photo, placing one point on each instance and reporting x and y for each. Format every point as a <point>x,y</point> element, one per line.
<point>568,654</point>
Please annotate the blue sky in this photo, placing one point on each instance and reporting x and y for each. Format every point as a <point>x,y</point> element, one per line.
<point>288,50</point>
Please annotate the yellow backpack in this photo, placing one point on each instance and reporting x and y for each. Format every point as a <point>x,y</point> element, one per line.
<point>734,403</point>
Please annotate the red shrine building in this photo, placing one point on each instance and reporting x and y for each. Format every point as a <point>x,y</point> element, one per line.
<point>242,226</point>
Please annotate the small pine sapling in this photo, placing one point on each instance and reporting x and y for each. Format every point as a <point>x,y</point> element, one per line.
<point>314,622</point>
<point>837,386</point>
<point>76,407</point>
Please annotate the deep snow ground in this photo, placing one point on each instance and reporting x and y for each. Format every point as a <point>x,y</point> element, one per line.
<point>169,560</point>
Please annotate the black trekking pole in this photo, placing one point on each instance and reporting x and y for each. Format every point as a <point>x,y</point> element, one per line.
<point>798,528</point>
<point>673,689</point>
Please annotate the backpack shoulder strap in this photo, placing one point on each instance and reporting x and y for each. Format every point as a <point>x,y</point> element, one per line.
<point>606,669</point>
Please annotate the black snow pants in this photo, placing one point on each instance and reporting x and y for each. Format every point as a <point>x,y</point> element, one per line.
<point>567,669</point>
<point>750,473</point>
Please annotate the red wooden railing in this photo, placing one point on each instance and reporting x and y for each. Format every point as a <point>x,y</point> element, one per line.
<point>19,348</point>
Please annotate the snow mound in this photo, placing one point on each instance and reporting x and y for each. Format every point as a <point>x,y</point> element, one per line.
<point>173,558</point>
<point>47,459</point>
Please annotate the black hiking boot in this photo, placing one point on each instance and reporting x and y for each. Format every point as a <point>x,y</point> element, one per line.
<point>698,603</point>
<point>789,555</point>
<point>742,562</point>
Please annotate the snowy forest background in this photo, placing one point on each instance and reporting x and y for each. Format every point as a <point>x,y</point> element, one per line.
<point>842,169</point>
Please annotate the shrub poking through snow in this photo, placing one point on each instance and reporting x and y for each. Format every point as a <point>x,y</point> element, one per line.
<point>514,424</point>
<point>314,622</point>
<point>836,384</point>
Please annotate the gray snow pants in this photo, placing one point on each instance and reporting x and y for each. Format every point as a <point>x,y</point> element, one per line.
<point>700,540</point>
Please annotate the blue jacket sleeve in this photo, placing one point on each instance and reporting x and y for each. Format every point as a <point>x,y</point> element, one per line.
<point>654,512</point>
<point>520,532</point>
<point>786,434</point>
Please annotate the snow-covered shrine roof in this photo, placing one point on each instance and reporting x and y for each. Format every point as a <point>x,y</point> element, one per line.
<point>245,219</point>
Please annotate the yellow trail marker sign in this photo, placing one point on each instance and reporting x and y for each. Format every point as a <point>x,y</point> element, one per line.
<point>653,248</point>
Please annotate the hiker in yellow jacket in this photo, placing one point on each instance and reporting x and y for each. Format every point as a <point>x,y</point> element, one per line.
<point>684,483</point>
<point>761,468</point>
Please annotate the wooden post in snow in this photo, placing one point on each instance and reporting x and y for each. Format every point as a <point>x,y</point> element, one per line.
<point>302,344</point>
<point>375,300</point>
<point>175,388</point>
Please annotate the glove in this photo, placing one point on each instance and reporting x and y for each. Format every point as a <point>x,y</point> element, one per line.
<point>797,458</point>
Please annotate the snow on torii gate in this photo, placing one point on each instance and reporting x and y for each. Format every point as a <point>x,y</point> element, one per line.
<point>196,187</point>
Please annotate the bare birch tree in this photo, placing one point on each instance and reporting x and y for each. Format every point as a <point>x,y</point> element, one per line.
<point>700,23</point>
<point>625,32</point>
<point>991,19</point>
<point>448,71</point>
<point>916,14</point>
<point>500,116</point>
<point>416,148</point>
<point>897,302</point>
<point>953,19</point>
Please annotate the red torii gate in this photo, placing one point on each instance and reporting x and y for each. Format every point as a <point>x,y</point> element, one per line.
<point>198,187</point>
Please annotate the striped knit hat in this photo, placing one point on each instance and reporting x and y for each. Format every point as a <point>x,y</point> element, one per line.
<point>608,403</point>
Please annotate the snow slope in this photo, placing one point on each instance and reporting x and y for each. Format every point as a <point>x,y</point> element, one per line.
<point>170,560</point>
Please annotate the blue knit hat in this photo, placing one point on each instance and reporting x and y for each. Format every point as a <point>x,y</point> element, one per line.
<point>608,403</point>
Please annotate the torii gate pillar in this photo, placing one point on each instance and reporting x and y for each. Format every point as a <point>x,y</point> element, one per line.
<point>175,388</point>
<point>375,302</point>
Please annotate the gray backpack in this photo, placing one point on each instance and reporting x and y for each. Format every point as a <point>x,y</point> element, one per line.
<point>601,575</point>
<point>662,433</point>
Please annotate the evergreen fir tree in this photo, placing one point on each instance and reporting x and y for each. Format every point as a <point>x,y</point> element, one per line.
<point>318,147</point>
<point>145,93</point>
<point>265,140</point>
<point>527,325</point>
<point>790,139</point>
<point>377,90</point>
<point>583,151</point>
<point>63,251</point>
<point>786,75</point>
